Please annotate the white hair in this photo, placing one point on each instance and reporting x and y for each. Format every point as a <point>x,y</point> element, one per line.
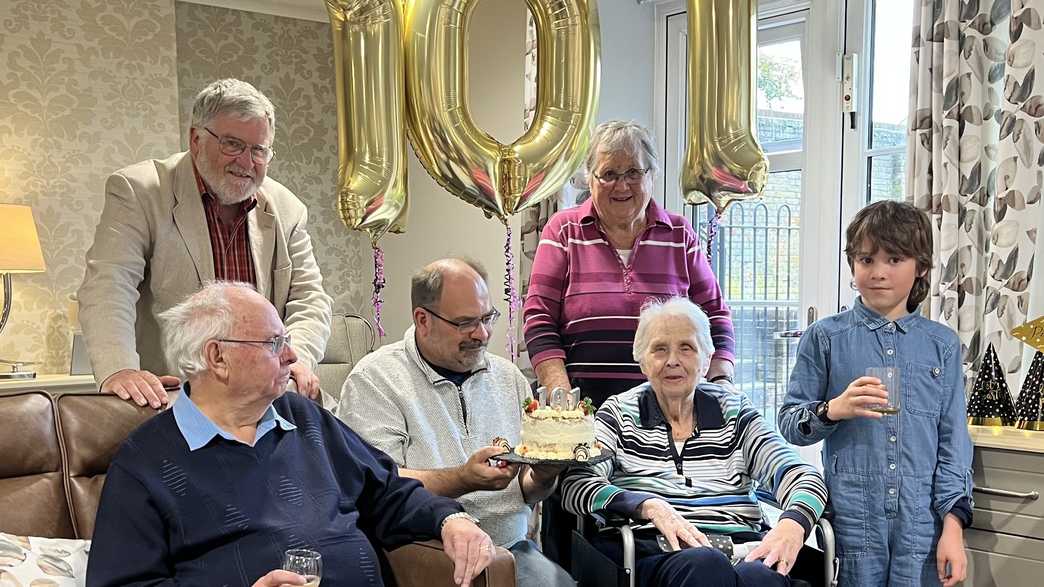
<point>626,137</point>
<point>231,96</point>
<point>187,327</point>
<point>675,307</point>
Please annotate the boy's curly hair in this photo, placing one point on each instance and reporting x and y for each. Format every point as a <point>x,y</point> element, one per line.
<point>900,229</point>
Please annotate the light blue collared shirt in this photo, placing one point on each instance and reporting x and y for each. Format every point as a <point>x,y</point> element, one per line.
<point>198,429</point>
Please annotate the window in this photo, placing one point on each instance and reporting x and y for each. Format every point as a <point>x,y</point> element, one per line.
<point>878,33</point>
<point>756,254</point>
<point>778,257</point>
<point>889,81</point>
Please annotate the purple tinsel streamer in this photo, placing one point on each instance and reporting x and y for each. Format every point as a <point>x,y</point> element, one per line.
<point>511,297</point>
<point>712,233</point>
<point>378,285</point>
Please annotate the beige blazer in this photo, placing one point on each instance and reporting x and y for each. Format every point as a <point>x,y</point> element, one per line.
<point>152,249</point>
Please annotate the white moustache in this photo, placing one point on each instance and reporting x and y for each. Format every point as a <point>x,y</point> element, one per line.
<point>240,171</point>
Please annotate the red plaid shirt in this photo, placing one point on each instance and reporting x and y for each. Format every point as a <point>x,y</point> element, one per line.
<point>230,242</point>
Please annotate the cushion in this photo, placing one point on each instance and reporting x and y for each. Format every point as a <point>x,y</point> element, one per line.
<point>43,562</point>
<point>32,490</point>
<point>94,426</point>
<point>351,337</point>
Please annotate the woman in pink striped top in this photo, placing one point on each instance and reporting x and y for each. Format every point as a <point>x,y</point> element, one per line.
<point>597,264</point>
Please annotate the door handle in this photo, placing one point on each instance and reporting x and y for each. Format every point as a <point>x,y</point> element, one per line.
<point>1030,495</point>
<point>810,317</point>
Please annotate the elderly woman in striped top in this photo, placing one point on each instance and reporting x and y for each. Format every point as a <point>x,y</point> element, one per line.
<point>686,457</point>
<point>596,265</point>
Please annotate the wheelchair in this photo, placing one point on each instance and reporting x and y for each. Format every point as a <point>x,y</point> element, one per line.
<point>816,566</point>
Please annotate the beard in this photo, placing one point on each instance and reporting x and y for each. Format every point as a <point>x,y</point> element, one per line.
<point>471,353</point>
<point>227,188</point>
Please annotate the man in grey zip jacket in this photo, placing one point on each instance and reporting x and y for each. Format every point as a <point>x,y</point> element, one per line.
<point>435,400</point>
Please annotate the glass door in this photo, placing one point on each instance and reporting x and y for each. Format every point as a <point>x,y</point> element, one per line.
<point>775,256</point>
<point>878,33</point>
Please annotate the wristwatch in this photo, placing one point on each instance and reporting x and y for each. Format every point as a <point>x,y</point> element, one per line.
<point>464,515</point>
<point>821,412</point>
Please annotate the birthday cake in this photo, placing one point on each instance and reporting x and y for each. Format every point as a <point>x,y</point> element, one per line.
<point>558,432</point>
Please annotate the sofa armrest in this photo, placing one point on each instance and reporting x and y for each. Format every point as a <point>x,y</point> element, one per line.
<point>423,564</point>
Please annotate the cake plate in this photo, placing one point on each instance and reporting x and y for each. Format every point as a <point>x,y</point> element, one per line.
<point>512,457</point>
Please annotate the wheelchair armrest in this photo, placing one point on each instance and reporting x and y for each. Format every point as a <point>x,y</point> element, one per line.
<point>823,531</point>
<point>604,519</point>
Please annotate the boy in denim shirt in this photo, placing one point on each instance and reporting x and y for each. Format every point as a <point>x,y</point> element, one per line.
<point>900,484</point>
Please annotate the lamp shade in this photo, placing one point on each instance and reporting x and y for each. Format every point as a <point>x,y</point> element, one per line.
<point>19,246</point>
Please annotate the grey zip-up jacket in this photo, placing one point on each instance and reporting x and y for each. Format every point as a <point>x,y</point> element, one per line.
<point>398,403</point>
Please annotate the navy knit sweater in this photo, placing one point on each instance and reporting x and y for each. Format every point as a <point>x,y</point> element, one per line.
<point>224,514</point>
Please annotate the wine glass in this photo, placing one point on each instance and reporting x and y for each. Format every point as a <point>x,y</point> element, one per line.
<point>304,562</point>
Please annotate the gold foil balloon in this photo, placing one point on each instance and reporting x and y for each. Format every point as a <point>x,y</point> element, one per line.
<point>371,114</point>
<point>723,161</point>
<point>501,179</point>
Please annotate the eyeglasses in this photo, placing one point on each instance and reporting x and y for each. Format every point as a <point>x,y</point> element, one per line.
<point>631,176</point>
<point>487,320</point>
<point>234,147</point>
<point>275,344</point>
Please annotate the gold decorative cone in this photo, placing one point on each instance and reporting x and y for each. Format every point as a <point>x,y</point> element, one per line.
<point>1035,425</point>
<point>1031,333</point>
<point>991,421</point>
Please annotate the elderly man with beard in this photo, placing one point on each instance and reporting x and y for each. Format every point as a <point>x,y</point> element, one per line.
<point>435,400</point>
<point>169,226</point>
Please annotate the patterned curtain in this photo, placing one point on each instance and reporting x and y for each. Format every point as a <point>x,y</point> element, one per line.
<point>974,159</point>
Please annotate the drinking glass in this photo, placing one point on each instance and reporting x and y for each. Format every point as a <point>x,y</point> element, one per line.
<point>304,562</point>
<point>889,377</point>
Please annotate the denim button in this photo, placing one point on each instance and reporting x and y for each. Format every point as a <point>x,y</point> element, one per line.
<point>936,371</point>
<point>892,438</point>
<point>891,466</point>
<point>891,491</point>
<point>890,352</point>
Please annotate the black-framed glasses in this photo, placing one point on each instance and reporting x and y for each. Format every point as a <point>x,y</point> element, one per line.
<point>631,176</point>
<point>234,147</point>
<point>275,344</point>
<point>487,320</point>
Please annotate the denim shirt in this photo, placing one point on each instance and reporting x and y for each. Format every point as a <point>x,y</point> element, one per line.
<point>913,464</point>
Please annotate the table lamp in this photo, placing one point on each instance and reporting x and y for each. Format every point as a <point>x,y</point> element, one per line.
<point>19,253</point>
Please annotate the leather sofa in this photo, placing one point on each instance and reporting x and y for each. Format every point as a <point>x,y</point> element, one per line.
<point>56,448</point>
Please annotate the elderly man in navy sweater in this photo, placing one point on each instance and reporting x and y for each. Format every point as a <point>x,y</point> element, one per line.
<point>215,490</point>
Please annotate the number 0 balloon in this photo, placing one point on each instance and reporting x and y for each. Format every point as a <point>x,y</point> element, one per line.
<point>501,179</point>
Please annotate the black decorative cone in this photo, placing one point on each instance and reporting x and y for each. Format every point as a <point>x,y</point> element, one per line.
<point>1030,407</point>
<point>990,402</point>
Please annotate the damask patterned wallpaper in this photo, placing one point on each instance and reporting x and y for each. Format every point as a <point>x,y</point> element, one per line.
<point>86,87</point>
<point>291,61</point>
<point>89,86</point>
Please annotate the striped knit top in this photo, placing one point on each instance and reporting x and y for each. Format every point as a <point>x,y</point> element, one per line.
<point>711,482</point>
<point>583,301</point>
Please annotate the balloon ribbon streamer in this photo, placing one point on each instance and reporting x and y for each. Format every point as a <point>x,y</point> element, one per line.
<point>712,233</point>
<point>378,285</point>
<point>511,297</point>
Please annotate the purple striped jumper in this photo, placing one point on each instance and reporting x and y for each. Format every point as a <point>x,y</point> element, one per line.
<point>583,300</point>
